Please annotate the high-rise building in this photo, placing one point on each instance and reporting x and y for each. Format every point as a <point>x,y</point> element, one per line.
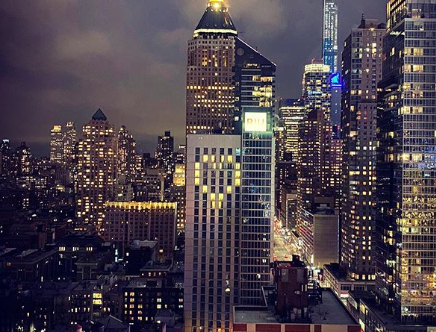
<point>211,58</point>
<point>330,35</point>
<point>69,142</point>
<point>164,157</point>
<point>362,70</point>
<point>292,112</point>
<point>96,169</point>
<point>6,158</point>
<point>56,144</point>
<point>23,160</point>
<point>258,201</point>
<point>127,157</point>
<point>229,218</point>
<point>330,56</point>
<point>178,195</point>
<point>212,232</point>
<point>229,175</point>
<point>315,135</point>
<point>254,78</point>
<point>316,87</point>
<point>406,177</point>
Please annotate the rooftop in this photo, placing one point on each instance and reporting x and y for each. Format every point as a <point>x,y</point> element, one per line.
<point>329,312</point>
<point>99,115</point>
<point>216,19</point>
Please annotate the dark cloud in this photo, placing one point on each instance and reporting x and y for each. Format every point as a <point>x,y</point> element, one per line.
<point>60,60</point>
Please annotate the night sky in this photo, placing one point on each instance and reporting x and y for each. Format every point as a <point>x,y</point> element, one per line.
<point>60,60</point>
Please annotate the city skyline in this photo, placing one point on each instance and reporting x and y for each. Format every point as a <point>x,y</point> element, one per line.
<point>96,58</point>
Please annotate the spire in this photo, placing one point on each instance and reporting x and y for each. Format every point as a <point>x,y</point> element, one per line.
<point>99,115</point>
<point>216,20</point>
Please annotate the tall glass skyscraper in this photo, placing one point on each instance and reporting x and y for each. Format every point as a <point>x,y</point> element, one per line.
<point>255,78</point>
<point>330,35</point>
<point>406,165</point>
<point>330,57</point>
<point>257,197</point>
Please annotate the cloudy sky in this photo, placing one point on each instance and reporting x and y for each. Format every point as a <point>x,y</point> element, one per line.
<point>60,60</point>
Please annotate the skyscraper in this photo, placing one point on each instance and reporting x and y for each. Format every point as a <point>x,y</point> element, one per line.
<point>258,201</point>
<point>330,35</point>
<point>6,158</point>
<point>254,78</point>
<point>315,134</point>
<point>127,157</point>
<point>362,70</point>
<point>330,57</point>
<point>96,169</point>
<point>56,144</point>
<point>213,201</point>
<point>164,157</point>
<point>23,160</point>
<point>292,112</point>
<point>211,57</point>
<point>406,177</point>
<point>69,142</point>
<point>229,218</point>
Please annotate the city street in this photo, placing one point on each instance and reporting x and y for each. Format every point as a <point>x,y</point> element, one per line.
<point>283,250</point>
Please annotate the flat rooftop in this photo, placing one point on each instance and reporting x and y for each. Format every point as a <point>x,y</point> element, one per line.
<point>329,312</point>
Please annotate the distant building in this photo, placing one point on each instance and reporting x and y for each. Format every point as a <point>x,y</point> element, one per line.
<point>6,158</point>
<point>129,221</point>
<point>330,35</point>
<point>69,141</point>
<point>319,236</point>
<point>23,160</point>
<point>56,145</point>
<point>292,112</point>
<point>96,169</point>
<point>164,157</point>
<point>127,157</point>
<point>178,194</point>
<point>33,265</point>
<point>315,135</point>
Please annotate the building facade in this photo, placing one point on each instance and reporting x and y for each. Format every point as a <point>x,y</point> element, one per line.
<point>127,156</point>
<point>292,112</point>
<point>362,70</point>
<point>330,35</point>
<point>406,177</point>
<point>258,203</point>
<point>211,58</point>
<point>315,135</point>
<point>152,221</point>
<point>212,232</point>
<point>56,144</point>
<point>96,169</point>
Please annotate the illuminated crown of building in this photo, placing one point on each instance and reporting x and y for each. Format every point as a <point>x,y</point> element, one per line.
<point>216,19</point>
